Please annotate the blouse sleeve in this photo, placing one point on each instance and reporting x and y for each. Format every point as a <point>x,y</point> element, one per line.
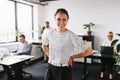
<point>79,44</point>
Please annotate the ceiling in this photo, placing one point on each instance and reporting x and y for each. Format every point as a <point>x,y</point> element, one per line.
<point>37,1</point>
<point>46,0</point>
<point>41,2</point>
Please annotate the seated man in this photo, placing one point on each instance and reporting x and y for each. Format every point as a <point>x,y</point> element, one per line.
<point>22,49</point>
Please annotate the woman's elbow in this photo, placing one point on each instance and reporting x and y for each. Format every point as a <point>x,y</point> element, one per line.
<point>43,46</point>
<point>90,51</point>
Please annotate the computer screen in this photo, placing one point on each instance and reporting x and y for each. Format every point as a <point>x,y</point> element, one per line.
<point>106,50</point>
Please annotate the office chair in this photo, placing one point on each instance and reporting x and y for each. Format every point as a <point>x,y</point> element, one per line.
<point>26,74</point>
<point>26,63</point>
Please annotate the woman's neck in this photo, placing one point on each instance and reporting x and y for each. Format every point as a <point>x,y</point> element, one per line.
<point>61,30</point>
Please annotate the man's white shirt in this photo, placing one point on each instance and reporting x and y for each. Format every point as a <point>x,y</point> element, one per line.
<point>21,46</point>
<point>46,30</point>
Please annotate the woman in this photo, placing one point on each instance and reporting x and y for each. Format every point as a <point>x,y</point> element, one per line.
<point>61,43</point>
<point>108,62</point>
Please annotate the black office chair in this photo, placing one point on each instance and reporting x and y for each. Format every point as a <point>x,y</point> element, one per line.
<point>26,74</point>
<point>27,63</point>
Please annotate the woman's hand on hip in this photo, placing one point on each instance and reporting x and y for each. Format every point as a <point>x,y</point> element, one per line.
<point>70,61</point>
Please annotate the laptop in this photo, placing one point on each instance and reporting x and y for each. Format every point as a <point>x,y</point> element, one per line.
<point>4,52</point>
<point>106,50</point>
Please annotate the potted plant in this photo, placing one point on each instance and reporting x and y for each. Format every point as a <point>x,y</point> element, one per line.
<point>40,31</point>
<point>88,26</point>
<point>116,43</point>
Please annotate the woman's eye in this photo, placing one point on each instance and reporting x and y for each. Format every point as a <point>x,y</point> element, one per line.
<point>58,19</point>
<point>64,19</point>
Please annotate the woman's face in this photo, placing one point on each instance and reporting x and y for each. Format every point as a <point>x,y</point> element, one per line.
<point>110,37</point>
<point>61,20</point>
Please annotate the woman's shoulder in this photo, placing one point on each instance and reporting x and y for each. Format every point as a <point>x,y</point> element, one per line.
<point>70,32</point>
<point>50,31</point>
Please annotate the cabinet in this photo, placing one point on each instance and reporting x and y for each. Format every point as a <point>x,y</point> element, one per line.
<point>88,38</point>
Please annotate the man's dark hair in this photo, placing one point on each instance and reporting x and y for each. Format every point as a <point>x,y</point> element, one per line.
<point>110,32</point>
<point>47,22</point>
<point>22,35</point>
<point>63,11</point>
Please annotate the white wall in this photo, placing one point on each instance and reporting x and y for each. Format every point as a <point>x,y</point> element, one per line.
<point>104,13</point>
<point>38,19</point>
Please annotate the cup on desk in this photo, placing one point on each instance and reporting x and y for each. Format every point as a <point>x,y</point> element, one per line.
<point>10,51</point>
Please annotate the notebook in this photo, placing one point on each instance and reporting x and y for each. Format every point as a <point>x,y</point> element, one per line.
<point>106,50</point>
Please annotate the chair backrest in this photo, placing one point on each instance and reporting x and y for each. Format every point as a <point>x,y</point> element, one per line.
<point>30,45</point>
<point>106,50</point>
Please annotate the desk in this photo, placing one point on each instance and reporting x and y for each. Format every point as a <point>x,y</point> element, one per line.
<point>93,56</point>
<point>17,61</point>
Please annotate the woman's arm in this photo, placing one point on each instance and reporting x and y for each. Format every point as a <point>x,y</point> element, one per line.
<point>80,55</point>
<point>45,49</point>
<point>83,54</point>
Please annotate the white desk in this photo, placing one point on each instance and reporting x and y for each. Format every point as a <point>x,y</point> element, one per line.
<point>10,60</point>
<point>16,61</point>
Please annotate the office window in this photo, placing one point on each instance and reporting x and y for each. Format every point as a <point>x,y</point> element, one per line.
<point>24,18</point>
<point>15,18</point>
<point>7,21</point>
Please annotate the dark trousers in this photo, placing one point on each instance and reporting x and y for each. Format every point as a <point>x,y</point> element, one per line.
<point>60,73</point>
<point>108,63</point>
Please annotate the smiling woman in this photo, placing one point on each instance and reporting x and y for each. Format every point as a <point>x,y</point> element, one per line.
<point>62,43</point>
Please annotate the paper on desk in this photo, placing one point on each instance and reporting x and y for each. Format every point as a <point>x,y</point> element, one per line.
<point>94,51</point>
<point>12,54</point>
<point>97,54</point>
<point>22,56</point>
<point>9,60</point>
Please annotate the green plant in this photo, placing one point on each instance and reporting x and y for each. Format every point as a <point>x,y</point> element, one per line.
<point>116,43</point>
<point>18,33</point>
<point>88,26</point>
<point>40,31</point>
